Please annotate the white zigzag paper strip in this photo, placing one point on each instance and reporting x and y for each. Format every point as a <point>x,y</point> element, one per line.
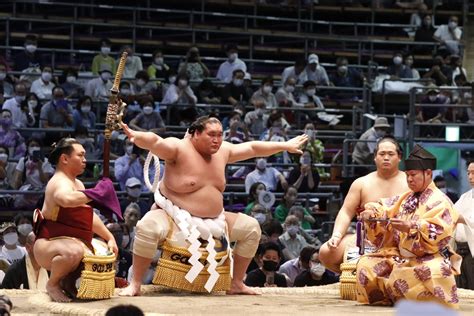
<point>212,264</point>
<point>195,255</point>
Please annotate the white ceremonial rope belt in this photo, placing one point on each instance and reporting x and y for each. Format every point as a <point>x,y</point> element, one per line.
<point>194,228</point>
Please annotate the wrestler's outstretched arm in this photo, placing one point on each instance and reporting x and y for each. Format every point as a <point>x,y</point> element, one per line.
<point>165,148</point>
<point>247,150</point>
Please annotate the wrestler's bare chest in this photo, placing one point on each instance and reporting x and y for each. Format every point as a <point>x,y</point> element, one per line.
<point>375,188</point>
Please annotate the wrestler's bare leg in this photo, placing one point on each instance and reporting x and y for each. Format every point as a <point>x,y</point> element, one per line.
<point>61,257</point>
<point>241,264</point>
<point>68,283</point>
<point>140,266</point>
<point>332,257</point>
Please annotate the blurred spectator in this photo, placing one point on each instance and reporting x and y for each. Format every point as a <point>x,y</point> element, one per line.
<point>256,120</point>
<point>416,19</point>
<point>207,93</point>
<point>134,188</point>
<point>237,132</point>
<point>148,119</point>
<point>4,81</point>
<point>439,72</point>
<point>315,72</point>
<point>432,114</point>
<point>248,84</point>
<point>83,115</point>
<point>44,85</point>
<point>311,100</point>
<point>234,92</point>
<point>9,137</point>
<point>398,70</point>
<point>10,250</point>
<point>345,76</point>
<point>287,201</point>
<point>169,80</point>
<point>193,66</point>
<point>99,88</point>
<point>7,168</point>
<point>181,95</point>
<point>292,239</point>
<point>303,177</point>
<point>261,214</point>
<point>449,36</point>
<point>26,273</point>
<point>129,165</point>
<point>266,275</point>
<point>267,175</point>
<point>296,71</point>
<point>19,117</point>
<point>32,104</point>
<point>457,69</point>
<point>363,153</point>
<point>226,69</point>
<point>24,224</point>
<point>468,116</point>
<point>409,60</point>
<point>441,184</point>
<point>292,268</point>
<point>316,275</point>
<point>72,89</point>
<point>304,216</point>
<point>424,34</point>
<point>57,112</point>
<point>264,94</point>
<point>276,132</point>
<point>284,96</point>
<point>133,64</point>
<point>81,134</point>
<point>121,310</point>
<point>254,192</point>
<point>29,58</point>
<point>124,258</point>
<point>315,147</point>
<point>131,216</point>
<point>143,85</point>
<point>103,57</point>
<point>158,68</point>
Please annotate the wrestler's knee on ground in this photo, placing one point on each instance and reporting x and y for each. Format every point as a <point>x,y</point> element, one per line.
<point>150,231</point>
<point>246,231</point>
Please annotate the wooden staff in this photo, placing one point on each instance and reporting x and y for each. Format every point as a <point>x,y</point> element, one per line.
<point>113,115</point>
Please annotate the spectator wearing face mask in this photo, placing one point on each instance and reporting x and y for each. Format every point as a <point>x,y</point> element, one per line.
<point>83,114</point>
<point>129,165</point>
<point>124,257</point>
<point>316,148</point>
<point>434,114</point>
<point>7,168</point>
<point>24,225</point>
<point>99,88</point>
<point>56,113</point>
<point>234,92</point>
<point>5,81</point>
<point>170,79</point>
<point>363,153</point>
<point>30,58</point>
<point>345,76</point>
<point>254,192</point>
<point>449,36</point>
<point>284,95</point>
<point>316,275</point>
<point>312,101</point>
<point>409,60</point>
<point>131,216</point>
<point>11,251</point>
<point>267,175</point>
<point>182,95</point>
<point>44,85</point>
<point>148,120</point>
<point>133,63</point>
<point>264,95</point>
<point>276,131</point>
<point>292,268</point>
<point>143,85</point>
<point>103,57</point>
<point>92,148</point>
<point>315,72</point>
<point>237,132</point>
<point>193,66</point>
<point>303,177</point>
<point>19,118</point>
<point>72,89</point>
<point>226,69</point>
<point>291,238</point>
<point>256,120</point>
<point>287,203</point>
<point>31,107</point>
<point>266,275</point>
<point>439,72</point>
<point>158,68</point>
<point>133,187</point>
<point>296,71</point>
<point>261,214</point>
<point>9,137</point>
<point>398,70</point>
<point>440,183</point>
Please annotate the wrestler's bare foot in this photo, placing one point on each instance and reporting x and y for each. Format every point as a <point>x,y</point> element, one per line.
<point>68,284</point>
<point>238,287</point>
<point>56,293</point>
<point>131,290</point>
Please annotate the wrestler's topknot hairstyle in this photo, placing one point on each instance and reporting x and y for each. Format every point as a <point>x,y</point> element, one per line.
<point>63,146</point>
<point>389,139</point>
<point>200,123</point>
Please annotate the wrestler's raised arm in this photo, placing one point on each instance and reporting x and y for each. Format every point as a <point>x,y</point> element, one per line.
<point>165,148</point>
<point>247,150</point>
<point>66,196</point>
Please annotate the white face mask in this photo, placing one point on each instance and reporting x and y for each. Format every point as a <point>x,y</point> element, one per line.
<point>317,270</point>
<point>19,98</point>
<point>380,133</point>
<point>311,92</point>
<point>238,82</point>
<point>10,238</point>
<point>444,190</point>
<point>105,75</point>
<point>140,82</point>
<point>452,24</point>
<point>342,69</point>
<point>310,133</point>
<point>3,157</point>
<point>31,48</point>
<point>125,241</point>
<point>71,79</point>
<point>233,57</point>
<point>125,91</point>
<point>129,59</point>
<point>25,229</point>
<point>432,98</point>
<point>105,50</point>
<point>159,60</point>
<point>32,104</point>
<point>172,79</point>
<point>46,76</point>
<point>267,89</point>
<point>31,150</point>
<point>261,164</point>
<point>135,193</point>
<point>183,83</point>
<point>147,110</point>
<point>260,217</point>
<point>293,230</point>
<point>86,109</point>
<point>129,149</point>
<point>3,75</point>
<point>290,88</point>
<point>397,60</point>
